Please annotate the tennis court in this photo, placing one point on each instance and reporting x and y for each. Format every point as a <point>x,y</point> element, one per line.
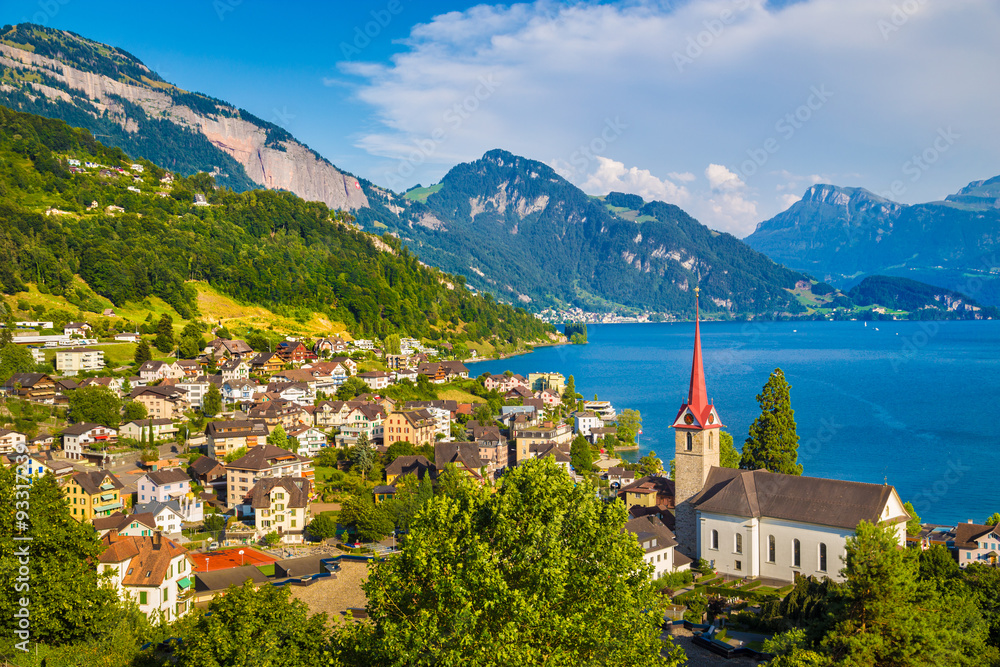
<point>227,558</point>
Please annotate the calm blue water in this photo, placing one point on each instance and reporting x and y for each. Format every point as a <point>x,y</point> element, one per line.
<point>917,404</point>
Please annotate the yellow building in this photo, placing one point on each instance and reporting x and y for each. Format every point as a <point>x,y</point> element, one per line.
<point>93,494</point>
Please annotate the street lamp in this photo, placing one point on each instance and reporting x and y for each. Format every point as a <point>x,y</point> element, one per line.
<point>241,557</point>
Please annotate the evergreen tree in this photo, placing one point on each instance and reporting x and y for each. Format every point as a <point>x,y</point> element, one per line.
<point>773,443</point>
<point>134,411</point>
<point>580,456</point>
<point>913,526</point>
<point>143,353</point>
<point>212,404</point>
<point>363,455</point>
<point>570,397</point>
<point>728,456</point>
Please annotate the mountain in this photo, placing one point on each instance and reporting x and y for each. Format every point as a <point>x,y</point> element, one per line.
<point>58,74</point>
<point>911,296</point>
<point>841,235</point>
<point>129,233</point>
<point>514,226</point>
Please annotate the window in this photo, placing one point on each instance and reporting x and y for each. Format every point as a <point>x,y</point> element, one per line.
<point>739,543</point>
<point>710,434</point>
<point>822,557</point>
<point>714,543</point>
<point>142,597</point>
<point>796,553</point>
<point>739,565</point>
<point>690,442</point>
<point>770,548</point>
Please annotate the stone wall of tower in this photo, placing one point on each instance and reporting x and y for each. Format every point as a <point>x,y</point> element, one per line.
<point>691,470</point>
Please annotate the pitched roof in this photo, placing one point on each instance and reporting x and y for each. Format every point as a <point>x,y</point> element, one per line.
<point>406,465</point>
<point>92,481</point>
<point>25,380</point>
<point>464,453</point>
<point>966,534</point>
<point>162,477</point>
<point>148,557</point>
<point>118,521</point>
<point>204,465</point>
<point>757,493</point>
<point>650,527</point>
<point>296,487</point>
<point>262,457</point>
<point>154,507</point>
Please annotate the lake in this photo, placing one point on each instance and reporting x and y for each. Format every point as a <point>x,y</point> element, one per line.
<point>912,403</point>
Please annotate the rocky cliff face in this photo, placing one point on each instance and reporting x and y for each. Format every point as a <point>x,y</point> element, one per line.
<point>283,164</point>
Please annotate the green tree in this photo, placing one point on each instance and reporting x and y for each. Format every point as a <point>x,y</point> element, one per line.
<point>163,343</point>
<point>793,649</point>
<point>728,456</point>
<point>451,482</point>
<point>15,359</point>
<point>351,388</point>
<point>363,455</point>
<point>95,403</point>
<point>235,455</point>
<point>411,495</point>
<point>165,327</point>
<point>271,538</point>
<point>190,347</point>
<point>68,600</point>
<point>580,456</point>
<point>540,572</point>
<point>993,519</point>
<point>913,526</point>
<point>773,443</point>
<point>212,404</point>
<point>570,396</point>
<point>483,414</point>
<point>322,527</point>
<point>391,344</point>
<point>134,411</point>
<point>215,523</point>
<point>371,522</point>
<point>225,334</point>
<point>251,626</point>
<point>277,437</point>
<point>629,424</point>
<point>650,465</point>
<point>142,352</point>
<point>397,449</point>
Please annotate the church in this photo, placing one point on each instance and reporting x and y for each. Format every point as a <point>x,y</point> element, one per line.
<point>755,523</point>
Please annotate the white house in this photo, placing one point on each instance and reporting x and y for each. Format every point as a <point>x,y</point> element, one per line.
<point>376,379</point>
<point>585,422</point>
<point>168,514</point>
<point>76,437</point>
<point>657,542</point>
<point>197,389</point>
<point>153,571</point>
<point>11,440</point>
<point>310,441</point>
<point>234,369</point>
<point>154,370</point>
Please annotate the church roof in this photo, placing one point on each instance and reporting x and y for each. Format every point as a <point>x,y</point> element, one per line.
<point>697,401</point>
<point>759,493</point>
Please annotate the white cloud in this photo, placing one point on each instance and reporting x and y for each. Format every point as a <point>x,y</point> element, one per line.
<point>561,72</point>
<point>788,200</point>
<point>612,175</point>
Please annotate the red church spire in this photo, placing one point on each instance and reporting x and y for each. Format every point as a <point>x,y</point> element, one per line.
<point>697,394</point>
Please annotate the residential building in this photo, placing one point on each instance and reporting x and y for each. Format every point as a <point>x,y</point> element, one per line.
<point>93,494</point>
<point>584,422</point>
<point>73,360</point>
<point>163,401</point>
<point>525,438</point>
<point>602,409</point>
<point>503,383</point>
<point>234,370</point>
<point>239,391</point>
<point>225,437</point>
<point>77,329</point>
<point>401,466</point>
<point>658,545</point>
<point>131,525</point>
<point>414,426</point>
<point>463,455</point>
<point>308,441</point>
<point>299,393</point>
<point>163,485</point>
<point>155,369</point>
<point>261,462</point>
<point>281,504</point>
<point>276,410</point>
<point>618,477</point>
<point>555,382</point>
<point>364,418</point>
<point>229,349</point>
<point>163,429</point>
<point>78,437</point>
<point>114,385</point>
<point>267,363</point>
<point>330,346</point>
<point>34,387</point>
<point>376,379</point>
<point>975,543</point>
<point>169,515</point>
<point>294,352</point>
<point>153,571</point>
<point>210,473</point>
<point>11,440</point>
<point>195,390</point>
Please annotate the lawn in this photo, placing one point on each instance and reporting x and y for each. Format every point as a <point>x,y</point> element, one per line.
<point>266,570</point>
<point>322,473</point>
<point>459,395</point>
<point>421,194</point>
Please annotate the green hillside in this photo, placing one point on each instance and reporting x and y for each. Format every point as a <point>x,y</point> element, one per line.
<point>261,247</point>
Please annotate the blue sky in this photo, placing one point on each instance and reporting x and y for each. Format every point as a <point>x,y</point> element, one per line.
<point>728,108</point>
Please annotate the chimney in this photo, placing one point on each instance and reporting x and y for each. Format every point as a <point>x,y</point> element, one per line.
<point>157,538</point>
<point>112,535</point>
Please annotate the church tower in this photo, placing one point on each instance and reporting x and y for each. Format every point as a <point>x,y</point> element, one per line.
<point>696,447</point>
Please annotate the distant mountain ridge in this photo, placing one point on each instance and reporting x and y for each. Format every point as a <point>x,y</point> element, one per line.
<point>841,235</point>
<point>514,226</point>
<point>108,91</point>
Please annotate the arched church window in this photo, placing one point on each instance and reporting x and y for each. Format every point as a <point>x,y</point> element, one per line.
<point>796,553</point>
<point>690,442</point>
